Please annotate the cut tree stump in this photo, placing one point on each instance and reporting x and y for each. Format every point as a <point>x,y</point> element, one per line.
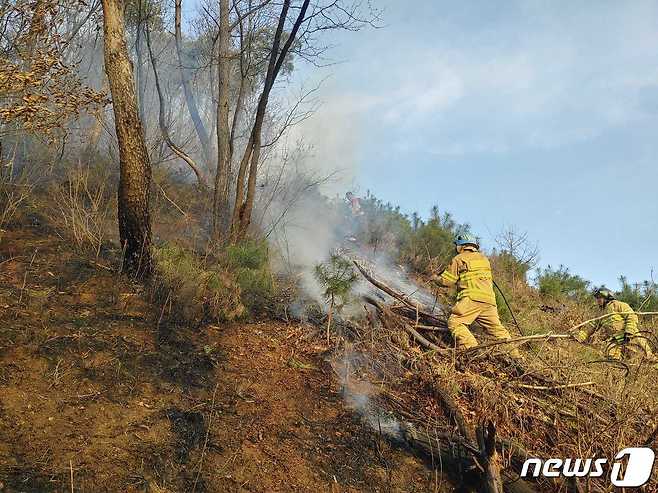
<point>490,461</point>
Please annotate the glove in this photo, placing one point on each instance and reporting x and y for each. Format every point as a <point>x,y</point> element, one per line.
<point>580,336</point>
<point>620,338</point>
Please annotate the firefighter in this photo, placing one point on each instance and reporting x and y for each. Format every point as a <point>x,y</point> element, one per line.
<point>355,221</point>
<point>355,204</point>
<point>620,324</point>
<point>471,272</point>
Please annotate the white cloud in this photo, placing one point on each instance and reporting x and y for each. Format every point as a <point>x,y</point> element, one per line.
<point>553,74</point>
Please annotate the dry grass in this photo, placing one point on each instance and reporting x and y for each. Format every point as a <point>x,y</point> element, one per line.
<point>608,407</point>
<point>15,190</point>
<point>82,206</point>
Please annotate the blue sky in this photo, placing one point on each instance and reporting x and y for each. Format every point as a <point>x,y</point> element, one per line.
<point>541,115</point>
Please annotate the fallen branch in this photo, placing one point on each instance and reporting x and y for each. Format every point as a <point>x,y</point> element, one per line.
<point>427,318</point>
<point>516,340</point>
<point>607,315</point>
<point>386,315</point>
<point>554,387</point>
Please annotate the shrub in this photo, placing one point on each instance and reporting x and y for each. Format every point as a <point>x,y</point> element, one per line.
<point>560,282</point>
<point>15,188</point>
<point>195,290</point>
<point>249,261</point>
<point>83,207</point>
<point>639,295</point>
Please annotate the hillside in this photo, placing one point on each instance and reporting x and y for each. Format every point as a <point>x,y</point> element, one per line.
<point>100,392</point>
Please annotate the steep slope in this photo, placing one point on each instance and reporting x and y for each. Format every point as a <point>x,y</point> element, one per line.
<point>100,390</point>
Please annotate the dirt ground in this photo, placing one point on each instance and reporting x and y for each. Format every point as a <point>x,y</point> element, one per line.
<point>100,391</point>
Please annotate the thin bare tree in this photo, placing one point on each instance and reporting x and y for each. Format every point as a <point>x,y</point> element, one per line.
<point>164,130</point>
<point>223,171</point>
<point>190,100</point>
<point>244,203</point>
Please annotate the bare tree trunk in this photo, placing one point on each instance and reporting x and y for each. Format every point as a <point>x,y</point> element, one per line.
<point>242,211</point>
<point>223,172</point>
<point>245,51</point>
<point>192,107</point>
<point>161,118</point>
<point>330,318</point>
<point>135,167</point>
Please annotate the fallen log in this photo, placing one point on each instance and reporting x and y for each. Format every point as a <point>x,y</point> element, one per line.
<point>456,454</point>
<point>416,313</point>
<point>517,453</point>
<point>451,409</point>
<point>386,315</point>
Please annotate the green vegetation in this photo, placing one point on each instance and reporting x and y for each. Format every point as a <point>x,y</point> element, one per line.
<point>249,261</point>
<point>197,291</point>
<point>409,239</point>
<point>338,278</point>
<point>560,283</point>
<point>639,295</point>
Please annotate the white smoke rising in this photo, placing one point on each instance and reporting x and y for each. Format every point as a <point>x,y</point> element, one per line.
<point>359,396</point>
<point>306,226</point>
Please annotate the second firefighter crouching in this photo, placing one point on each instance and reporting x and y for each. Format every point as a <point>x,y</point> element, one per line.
<point>470,271</point>
<point>619,325</point>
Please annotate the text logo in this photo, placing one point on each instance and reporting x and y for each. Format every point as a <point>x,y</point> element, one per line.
<point>639,464</point>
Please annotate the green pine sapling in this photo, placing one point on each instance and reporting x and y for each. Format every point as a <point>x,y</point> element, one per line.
<point>338,278</point>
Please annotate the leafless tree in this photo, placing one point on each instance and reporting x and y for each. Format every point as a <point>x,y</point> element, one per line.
<point>190,99</point>
<point>518,245</point>
<point>300,22</point>
<point>162,117</point>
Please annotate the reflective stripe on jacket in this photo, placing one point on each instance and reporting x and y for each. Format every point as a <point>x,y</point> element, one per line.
<point>622,318</point>
<point>471,271</point>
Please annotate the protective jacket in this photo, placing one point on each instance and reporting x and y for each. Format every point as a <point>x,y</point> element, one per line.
<point>620,319</point>
<point>471,272</point>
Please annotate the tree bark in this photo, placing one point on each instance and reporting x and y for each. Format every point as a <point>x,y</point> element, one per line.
<point>329,318</point>
<point>139,72</point>
<point>243,208</point>
<point>244,75</point>
<point>486,435</point>
<point>190,101</point>
<point>223,171</point>
<point>134,164</point>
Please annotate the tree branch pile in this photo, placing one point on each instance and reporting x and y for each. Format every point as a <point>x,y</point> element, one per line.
<point>483,413</point>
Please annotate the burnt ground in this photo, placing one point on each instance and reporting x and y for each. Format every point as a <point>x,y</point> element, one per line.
<point>100,392</point>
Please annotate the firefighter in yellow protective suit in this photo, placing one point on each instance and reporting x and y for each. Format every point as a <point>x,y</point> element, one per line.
<point>471,272</point>
<point>619,324</point>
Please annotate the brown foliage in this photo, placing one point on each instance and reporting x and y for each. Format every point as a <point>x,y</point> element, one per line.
<point>39,91</point>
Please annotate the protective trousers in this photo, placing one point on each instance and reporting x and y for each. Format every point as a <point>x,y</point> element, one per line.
<point>634,341</point>
<point>467,311</point>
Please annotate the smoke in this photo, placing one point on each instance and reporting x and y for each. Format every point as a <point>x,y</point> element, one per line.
<point>359,395</point>
<point>305,226</point>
